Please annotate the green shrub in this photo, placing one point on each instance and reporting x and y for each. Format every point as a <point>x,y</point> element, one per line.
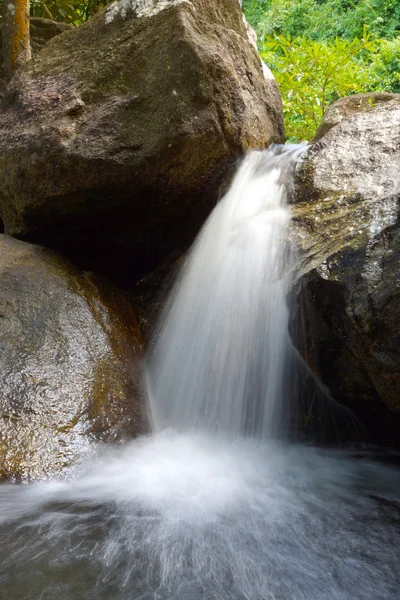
<point>311,75</point>
<point>324,19</point>
<point>319,51</point>
<point>384,72</point>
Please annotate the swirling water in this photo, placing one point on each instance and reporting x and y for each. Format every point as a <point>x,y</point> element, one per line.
<point>211,506</point>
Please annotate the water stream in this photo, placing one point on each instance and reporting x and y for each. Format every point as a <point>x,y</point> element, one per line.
<point>218,361</point>
<point>217,503</point>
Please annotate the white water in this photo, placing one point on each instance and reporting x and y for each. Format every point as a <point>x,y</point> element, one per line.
<point>219,358</point>
<point>213,514</point>
<point>198,517</point>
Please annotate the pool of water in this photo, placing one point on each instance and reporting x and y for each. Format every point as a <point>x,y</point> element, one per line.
<point>200,517</point>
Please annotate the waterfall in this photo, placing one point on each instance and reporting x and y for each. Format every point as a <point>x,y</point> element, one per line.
<point>218,361</point>
<point>196,515</point>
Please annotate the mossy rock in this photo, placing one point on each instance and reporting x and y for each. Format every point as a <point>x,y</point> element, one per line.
<point>346,311</point>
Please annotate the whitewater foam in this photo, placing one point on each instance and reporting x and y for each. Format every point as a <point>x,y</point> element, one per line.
<point>218,361</point>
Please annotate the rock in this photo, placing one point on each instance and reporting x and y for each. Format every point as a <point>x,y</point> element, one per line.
<point>41,30</point>
<point>348,184</point>
<point>347,300</point>
<point>168,95</point>
<point>69,363</point>
<point>345,107</point>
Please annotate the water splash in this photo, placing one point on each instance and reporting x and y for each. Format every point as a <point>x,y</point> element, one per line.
<point>192,515</point>
<point>198,517</point>
<point>219,357</point>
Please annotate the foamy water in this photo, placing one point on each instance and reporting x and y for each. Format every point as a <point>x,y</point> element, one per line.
<point>196,516</point>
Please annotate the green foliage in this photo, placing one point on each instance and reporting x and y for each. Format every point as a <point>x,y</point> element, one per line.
<point>324,19</point>
<point>384,71</point>
<point>255,11</point>
<point>74,12</point>
<point>319,51</point>
<point>311,75</point>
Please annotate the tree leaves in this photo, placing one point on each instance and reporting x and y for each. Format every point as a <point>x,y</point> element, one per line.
<point>323,20</point>
<point>320,50</point>
<point>74,12</point>
<point>311,75</point>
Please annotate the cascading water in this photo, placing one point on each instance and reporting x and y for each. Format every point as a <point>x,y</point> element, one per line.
<point>209,507</point>
<point>219,359</point>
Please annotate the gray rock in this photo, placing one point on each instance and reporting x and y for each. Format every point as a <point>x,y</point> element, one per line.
<point>345,107</point>
<point>69,363</point>
<point>170,94</point>
<point>349,184</point>
<point>346,320</point>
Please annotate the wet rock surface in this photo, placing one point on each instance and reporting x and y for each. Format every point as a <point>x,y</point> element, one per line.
<point>69,363</point>
<point>347,301</point>
<point>135,120</point>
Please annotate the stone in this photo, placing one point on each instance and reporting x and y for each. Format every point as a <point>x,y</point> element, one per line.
<point>345,107</point>
<point>346,304</point>
<point>170,95</point>
<point>70,348</point>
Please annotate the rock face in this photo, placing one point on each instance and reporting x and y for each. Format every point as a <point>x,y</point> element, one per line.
<point>41,30</point>
<point>114,141</point>
<point>346,320</point>
<point>69,352</point>
<point>345,107</point>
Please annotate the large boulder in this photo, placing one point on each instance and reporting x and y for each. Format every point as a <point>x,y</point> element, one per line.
<point>115,140</point>
<point>346,319</point>
<point>69,363</point>
<point>41,30</point>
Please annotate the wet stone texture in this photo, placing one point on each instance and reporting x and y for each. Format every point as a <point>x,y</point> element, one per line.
<point>346,318</point>
<point>69,363</point>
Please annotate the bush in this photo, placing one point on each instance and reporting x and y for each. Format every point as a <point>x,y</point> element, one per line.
<point>324,19</point>
<point>384,73</point>
<point>311,75</point>
<point>319,51</point>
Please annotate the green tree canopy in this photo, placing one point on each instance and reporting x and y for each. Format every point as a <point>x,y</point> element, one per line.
<point>324,19</point>
<point>320,50</point>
